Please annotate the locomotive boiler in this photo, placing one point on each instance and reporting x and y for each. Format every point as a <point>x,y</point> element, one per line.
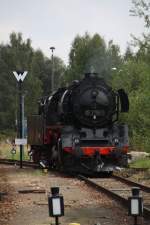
<point>77,128</point>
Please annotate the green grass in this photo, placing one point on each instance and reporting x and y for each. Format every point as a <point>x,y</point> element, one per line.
<point>140,163</point>
<point>5,152</point>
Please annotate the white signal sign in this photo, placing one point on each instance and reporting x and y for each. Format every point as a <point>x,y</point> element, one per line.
<point>20,141</point>
<point>20,76</point>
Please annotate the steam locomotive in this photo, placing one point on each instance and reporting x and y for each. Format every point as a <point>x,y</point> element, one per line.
<point>77,129</point>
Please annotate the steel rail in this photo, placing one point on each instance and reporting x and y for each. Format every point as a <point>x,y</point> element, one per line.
<point>111,194</point>
<point>17,162</point>
<point>132,183</point>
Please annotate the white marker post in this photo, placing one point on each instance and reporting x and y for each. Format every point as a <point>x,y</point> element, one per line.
<point>20,76</point>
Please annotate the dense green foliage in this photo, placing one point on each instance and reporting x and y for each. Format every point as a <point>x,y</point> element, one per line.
<point>19,55</point>
<point>134,77</point>
<point>91,54</point>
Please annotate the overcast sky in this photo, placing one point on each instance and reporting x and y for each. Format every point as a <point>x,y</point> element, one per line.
<point>57,22</point>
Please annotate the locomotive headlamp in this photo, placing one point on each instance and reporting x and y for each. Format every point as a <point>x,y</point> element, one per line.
<point>56,204</point>
<point>116,141</point>
<point>76,141</point>
<point>135,204</point>
<point>94,93</point>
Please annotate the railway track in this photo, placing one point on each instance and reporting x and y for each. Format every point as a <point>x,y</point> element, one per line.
<point>17,162</point>
<point>119,189</point>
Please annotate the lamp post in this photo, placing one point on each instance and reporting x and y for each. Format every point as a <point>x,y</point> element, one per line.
<point>135,204</point>
<point>52,76</point>
<point>56,204</point>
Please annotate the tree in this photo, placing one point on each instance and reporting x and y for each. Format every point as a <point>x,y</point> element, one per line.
<point>128,54</point>
<point>19,55</point>
<point>141,8</point>
<point>91,54</point>
<point>16,56</point>
<point>134,77</point>
<point>42,68</point>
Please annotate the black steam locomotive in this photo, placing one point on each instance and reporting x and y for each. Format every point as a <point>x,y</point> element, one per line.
<point>76,128</point>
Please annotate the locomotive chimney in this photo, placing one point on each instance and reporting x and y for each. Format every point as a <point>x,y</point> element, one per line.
<point>91,75</point>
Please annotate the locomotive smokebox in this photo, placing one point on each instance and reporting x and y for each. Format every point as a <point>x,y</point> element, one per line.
<point>93,103</point>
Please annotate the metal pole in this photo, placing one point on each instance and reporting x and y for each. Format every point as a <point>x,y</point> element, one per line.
<point>20,119</point>
<point>52,77</point>
<point>22,116</point>
<point>16,112</point>
<point>56,220</point>
<point>23,124</point>
<point>52,73</point>
<point>135,220</point>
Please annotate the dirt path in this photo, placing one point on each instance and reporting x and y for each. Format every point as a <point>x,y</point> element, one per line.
<point>7,204</point>
<point>82,205</point>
